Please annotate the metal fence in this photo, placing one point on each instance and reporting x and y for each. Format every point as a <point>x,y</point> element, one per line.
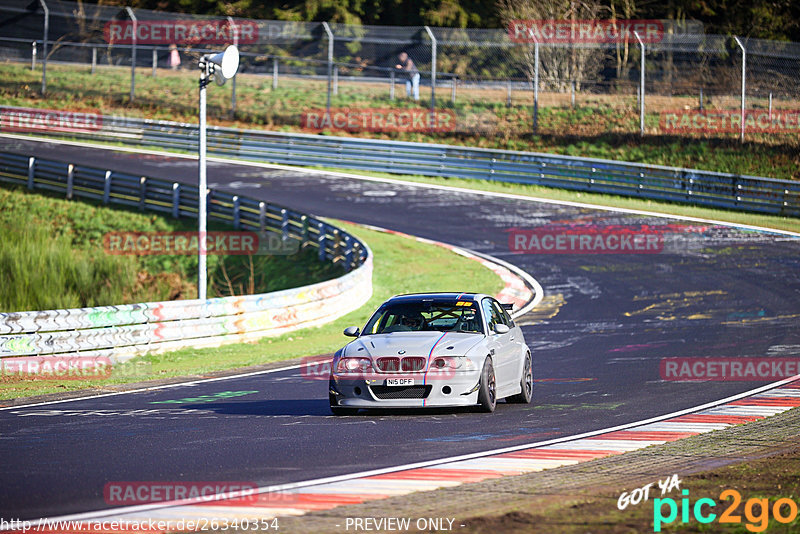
<point>121,332</point>
<point>487,76</point>
<point>704,188</point>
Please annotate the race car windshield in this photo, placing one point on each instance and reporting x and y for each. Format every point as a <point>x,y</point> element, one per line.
<point>446,316</point>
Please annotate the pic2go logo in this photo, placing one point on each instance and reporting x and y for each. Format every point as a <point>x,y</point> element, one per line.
<point>756,511</point>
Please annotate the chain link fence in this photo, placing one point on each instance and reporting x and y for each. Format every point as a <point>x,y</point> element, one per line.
<point>320,76</point>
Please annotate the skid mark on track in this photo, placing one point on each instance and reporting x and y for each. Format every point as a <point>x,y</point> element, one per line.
<point>547,309</point>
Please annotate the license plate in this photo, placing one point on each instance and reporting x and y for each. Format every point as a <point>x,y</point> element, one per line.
<point>399,381</point>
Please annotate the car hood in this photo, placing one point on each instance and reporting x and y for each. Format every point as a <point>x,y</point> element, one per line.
<point>414,344</point>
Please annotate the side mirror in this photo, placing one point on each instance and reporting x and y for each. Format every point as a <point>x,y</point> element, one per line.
<point>501,328</point>
<point>353,331</point>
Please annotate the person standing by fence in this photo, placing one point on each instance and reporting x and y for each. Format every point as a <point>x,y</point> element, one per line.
<point>410,70</point>
<point>174,57</point>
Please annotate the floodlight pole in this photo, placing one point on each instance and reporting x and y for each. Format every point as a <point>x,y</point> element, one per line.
<point>232,25</point>
<point>202,276</point>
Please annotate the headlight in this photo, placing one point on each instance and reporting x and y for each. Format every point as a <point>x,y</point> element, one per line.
<point>354,365</point>
<point>452,362</point>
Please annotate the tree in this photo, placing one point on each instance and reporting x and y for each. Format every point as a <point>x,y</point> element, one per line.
<point>559,64</point>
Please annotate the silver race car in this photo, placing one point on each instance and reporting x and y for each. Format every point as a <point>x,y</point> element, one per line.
<point>434,349</point>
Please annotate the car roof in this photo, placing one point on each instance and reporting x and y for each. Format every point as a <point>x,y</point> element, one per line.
<point>416,297</point>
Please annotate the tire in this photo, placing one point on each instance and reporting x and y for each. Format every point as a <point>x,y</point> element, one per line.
<point>487,393</point>
<point>335,408</point>
<point>526,382</point>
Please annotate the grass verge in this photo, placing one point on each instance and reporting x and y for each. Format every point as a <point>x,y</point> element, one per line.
<point>52,256</point>
<point>442,270</point>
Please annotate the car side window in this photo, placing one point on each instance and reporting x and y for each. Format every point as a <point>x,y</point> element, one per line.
<point>505,317</point>
<point>492,316</point>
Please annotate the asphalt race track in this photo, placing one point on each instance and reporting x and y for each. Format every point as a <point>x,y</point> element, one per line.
<point>597,340</point>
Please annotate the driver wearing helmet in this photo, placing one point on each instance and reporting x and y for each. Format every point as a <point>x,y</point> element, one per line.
<point>414,321</point>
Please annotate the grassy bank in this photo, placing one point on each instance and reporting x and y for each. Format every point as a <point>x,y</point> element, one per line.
<point>52,256</point>
<point>442,270</point>
<point>601,126</point>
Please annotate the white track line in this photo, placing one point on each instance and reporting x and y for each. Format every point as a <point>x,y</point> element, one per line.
<point>429,463</point>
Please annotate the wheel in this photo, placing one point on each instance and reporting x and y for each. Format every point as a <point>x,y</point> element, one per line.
<point>487,393</point>
<point>335,408</point>
<point>526,382</point>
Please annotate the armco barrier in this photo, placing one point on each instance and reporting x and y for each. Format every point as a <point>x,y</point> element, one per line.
<point>121,332</point>
<point>741,192</point>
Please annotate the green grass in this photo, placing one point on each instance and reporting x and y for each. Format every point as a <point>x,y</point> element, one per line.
<point>601,126</point>
<point>52,256</point>
<point>441,270</point>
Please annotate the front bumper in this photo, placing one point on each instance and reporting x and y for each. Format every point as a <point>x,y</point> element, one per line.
<point>457,389</point>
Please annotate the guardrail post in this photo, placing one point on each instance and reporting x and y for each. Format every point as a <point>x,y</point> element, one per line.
<point>94,58</point>
<point>391,87</point>
<point>70,177</point>
<point>31,171</point>
<point>337,245</point>
<point>508,94</point>
<point>236,214</point>
<point>701,99</point>
<point>176,200</point>
<point>453,81</point>
<point>284,224</point>
<point>33,55</point>
<point>155,61</point>
<point>262,217</point>
<point>348,253</point>
<point>274,73</point>
<point>135,23</point>
<point>142,192</point>
<point>107,187</point>
<point>321,242</point>
<point>304,234</point>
